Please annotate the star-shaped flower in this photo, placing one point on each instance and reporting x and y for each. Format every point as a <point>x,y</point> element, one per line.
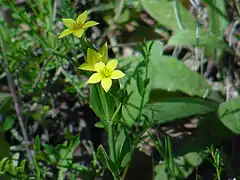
<point>94,57</point>
<point>105,74</point>
<point>77,27</point>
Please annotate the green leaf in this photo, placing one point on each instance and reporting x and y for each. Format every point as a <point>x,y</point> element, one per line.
<point>66,154</point>
<point>229,114</point>
<point>157,95</point>
<point>79,167</point>
<point>8,123</point>
<point>4,150</point>
<point>170,74</point>
<point>126,160</point>
<point>184,166</point>
<point>95,102</point>
<point>218,18</point>
<point>15,159</point>
<point>51,153</point>
<point>208,40</point>
<point>120,142</point>
<point>102,103</point>
<point>188,37</point>
<point>2,162</point>
<point>124,17</point>
<point>102,155</point>
<point>73,176</point>
<point>105,160</point>
<point>162,112</point>
<point>169,158</point>
<point>164,13</point>
<point>122,148</point>
<point>5,102</point>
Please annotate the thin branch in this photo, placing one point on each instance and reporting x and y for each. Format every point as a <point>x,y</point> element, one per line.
<point>16,102</point>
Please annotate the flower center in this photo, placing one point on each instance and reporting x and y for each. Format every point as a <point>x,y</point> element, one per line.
<point>77,26</point>
<point>106,72</point>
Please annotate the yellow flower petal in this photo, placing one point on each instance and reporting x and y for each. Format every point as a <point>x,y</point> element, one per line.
<point>104,52</point>
<point>86,67</point>
<point>92,57</point>
<point>99,66</point>
<point>81,19</point>
<point>78,32</point>
<point>111,65</point>
<point>95,78</point>
<point>117,74</point>
<point>68,22</point>
<point>65,33</point>
<point>106,83</point>
<point>89,24</point>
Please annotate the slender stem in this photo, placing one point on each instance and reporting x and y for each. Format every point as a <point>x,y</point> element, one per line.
<point>125,173</point>
<point>112,149</point>
<point>119,10</point>
<point>218,174</point>
<point>16,102</point>
<point>144,90</point>
<point>116,177</point>
<point>111,142</point>
<point>116,112</point>
<point>178,18</point>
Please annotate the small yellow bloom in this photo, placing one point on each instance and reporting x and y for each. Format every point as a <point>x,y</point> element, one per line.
<point>77,27</point>
<point>105,74</point>
<point>94,57</point>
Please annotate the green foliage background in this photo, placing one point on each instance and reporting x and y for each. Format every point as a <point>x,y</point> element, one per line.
<point>160,90</point>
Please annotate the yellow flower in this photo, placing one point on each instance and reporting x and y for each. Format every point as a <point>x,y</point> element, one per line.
<point>94,57</point>
<point>105,74</point>
<point>77,27</point>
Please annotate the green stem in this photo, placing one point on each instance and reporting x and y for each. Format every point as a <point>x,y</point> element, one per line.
<point>111,142</point>
<point>144,90</point>
<point>112,149</point>
<point>113,119</point>
<point>218,174</point>
<point>125,173</point>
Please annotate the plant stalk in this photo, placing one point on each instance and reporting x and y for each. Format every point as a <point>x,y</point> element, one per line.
<point>111,142</point>
<point>112,149</point>
<point>16,103</point>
